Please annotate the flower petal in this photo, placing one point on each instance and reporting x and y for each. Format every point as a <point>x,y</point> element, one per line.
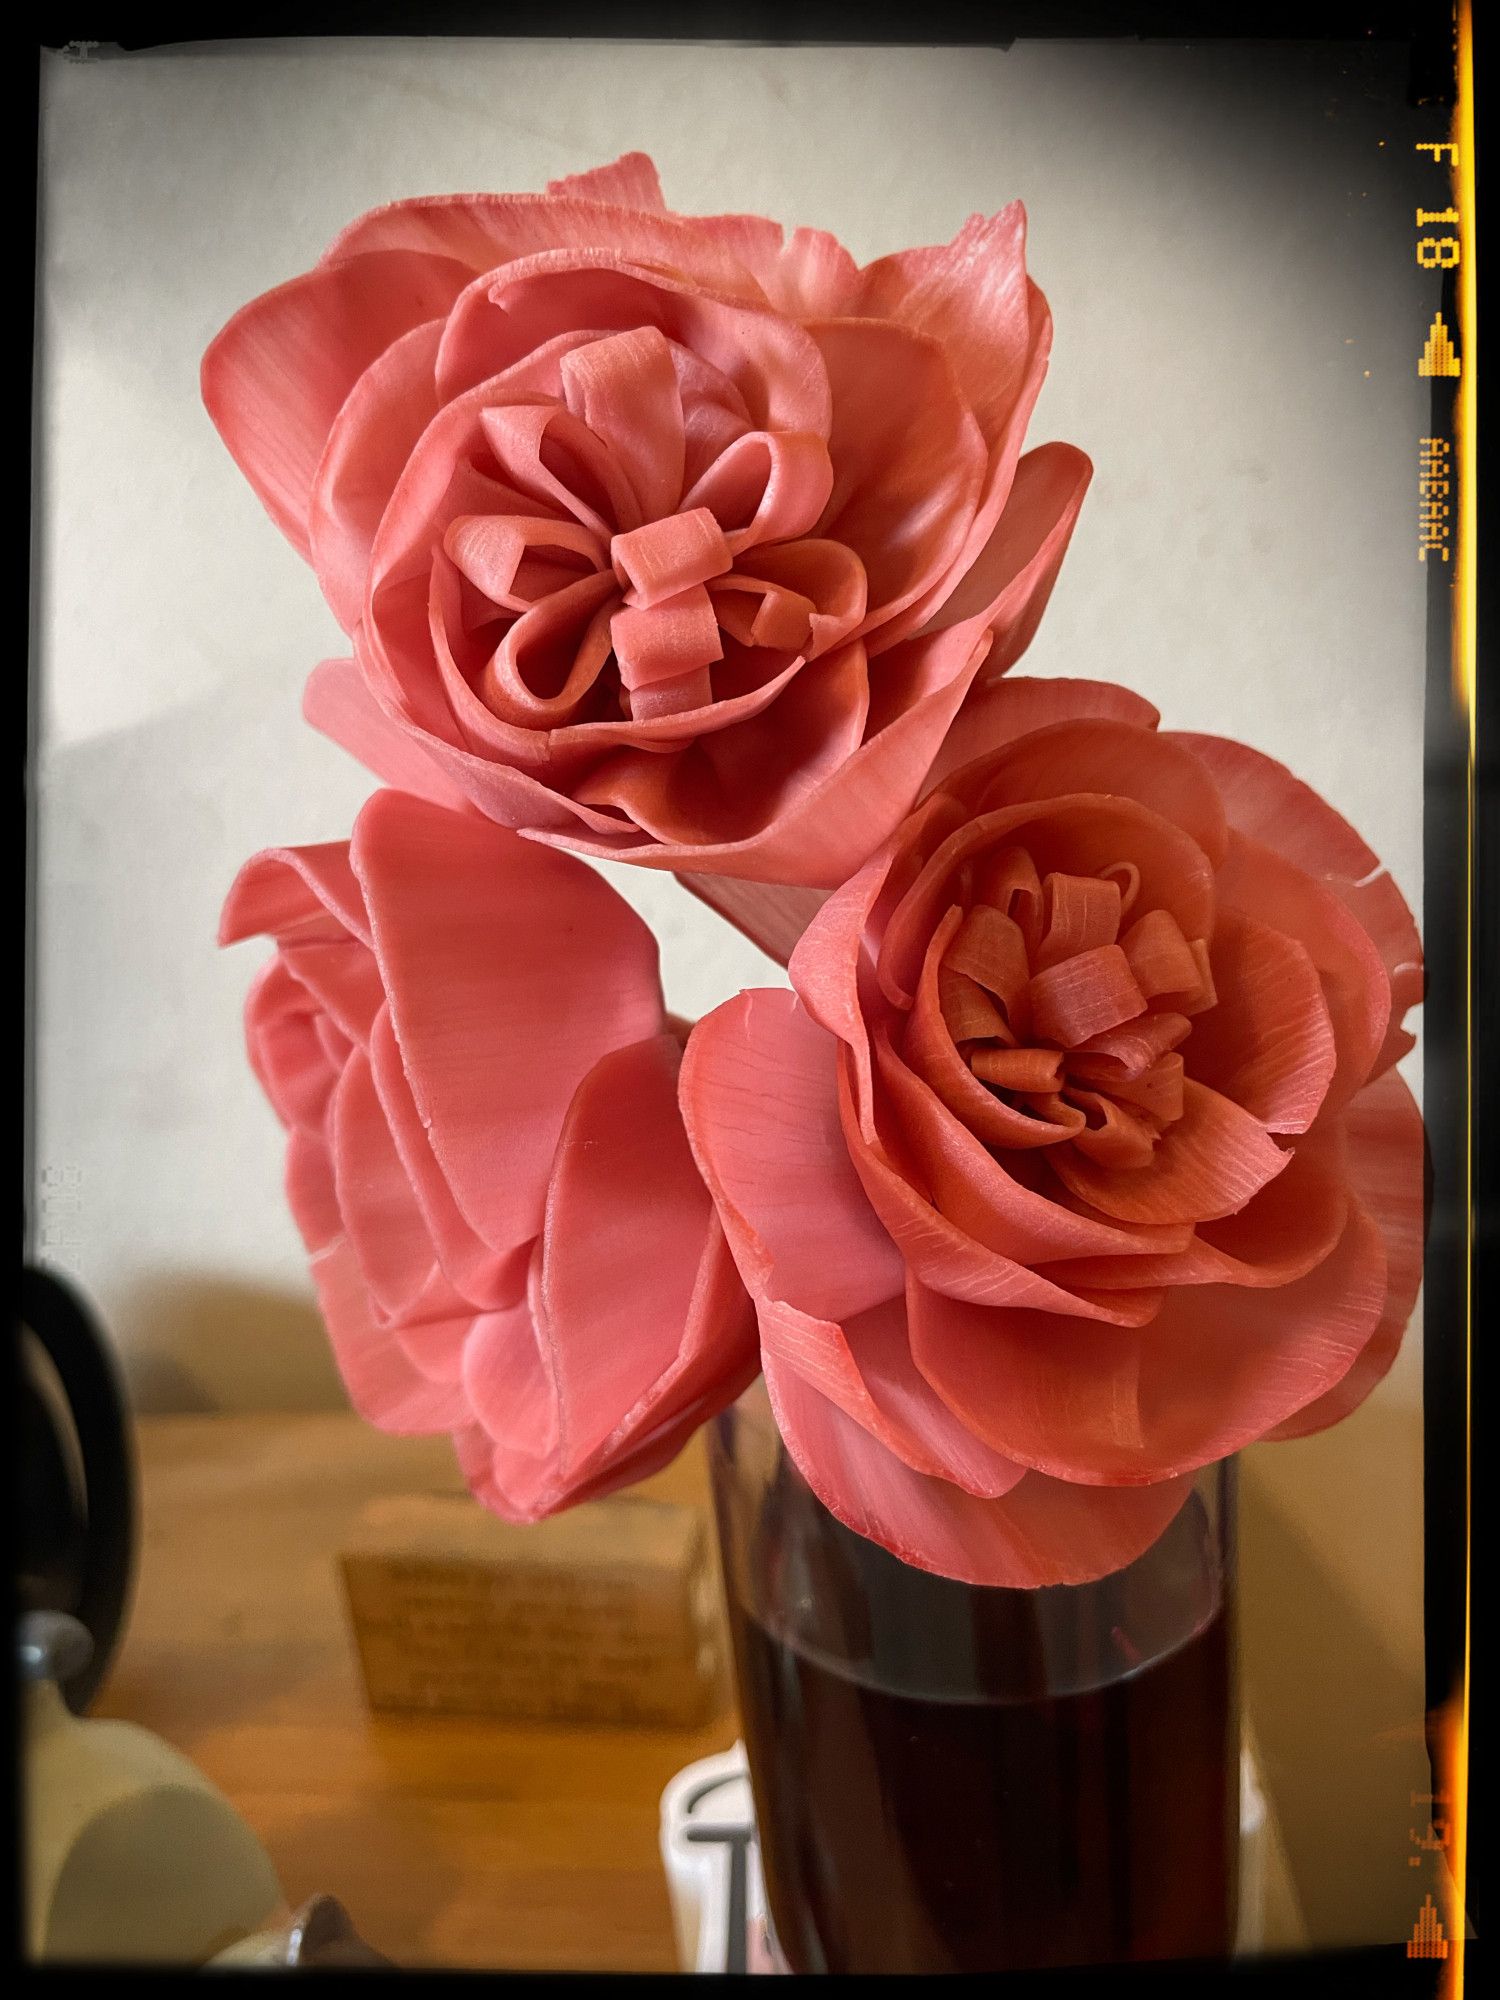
<point>275,378</point>
<point>291,1060</point>
<point>827,832</point>
<point>1386,1153</point>
<point>624,388</point>
<point>1041,1532</point>
<point>972,296</point>
<point>907,469</point>
<point>344,981</point>
<point>1058,1394</point>
<point>1260,884</point>
<point>296,894</point>
<point>759,1097</point>
<point>1073,835</point>
<point>1218,1367</point>
<point>627,1221</point>
<point>628,182</point>
<point>512,1397</point>
<point>1280,1234</point>
<point>970,1186</point>
<point>489,1280</point>
<point>1120,759</point>
<point>384,1384</point>
<point>998,711</point>
<point>947,1259</point>
<point>337,701</point>
<point>369,442</point>
<point>1267,804</point>
<point>1010,577</point>
<point>1208,1164</point>
<point>1268,1042</point>
<point>381,1217</point>
<point>866,1370</point>
<point>310,1193</point>
<point>486,231</point>
<point>509,972</point>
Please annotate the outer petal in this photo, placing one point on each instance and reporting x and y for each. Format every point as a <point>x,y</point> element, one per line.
<point>310,1193</point>
<point>1280,1234</point>
<point>812,277</point>
<point>1117,759</point>
<point>866,1370</point>
<point>292,1062</point>
<point>717,1358</point>
<point>1041,1532</point>
<point>972,296</point>
<point>369,441</point>
<point>486,231</point>
<point>509,972</point>
<point>825,964</point>
<point>629,182</point>
<point>514,1482</point>
<point>1386,1153</point>
<point>381,1217</point>
<point>1267,804</point>
<point>908,471</point>
<point>491,1281</point>
<point>274,380</point>
<point>301,895</point>
<point>513,1402</point>
<point>344,982</point>
<point>759,1096</point>
<point>338,701</point>
<point>1218,1368</point>
<point>628,1221</point>
<point>1260,884</point>
<point>998,711</point>
<point>1040,512</point>
<point>384,1384</point>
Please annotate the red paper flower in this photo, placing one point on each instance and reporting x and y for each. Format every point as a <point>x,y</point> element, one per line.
<point>1077,1162</point>
<point>658,536</point>
<point>463,1034</point>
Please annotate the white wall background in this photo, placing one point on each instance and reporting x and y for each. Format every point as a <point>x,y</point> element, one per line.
<point>1224,237</point>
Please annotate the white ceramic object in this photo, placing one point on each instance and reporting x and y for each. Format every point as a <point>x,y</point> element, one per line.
<point>132,1856</point>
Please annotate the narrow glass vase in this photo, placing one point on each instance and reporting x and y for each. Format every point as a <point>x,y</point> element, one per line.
<point>954,1779</point>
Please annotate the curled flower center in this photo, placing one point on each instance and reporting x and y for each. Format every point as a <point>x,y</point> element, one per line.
<point>1051,1011</point>
<point>592,566</point>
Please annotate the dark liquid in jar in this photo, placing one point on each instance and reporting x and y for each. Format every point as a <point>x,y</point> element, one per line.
<point>1007,1826</point>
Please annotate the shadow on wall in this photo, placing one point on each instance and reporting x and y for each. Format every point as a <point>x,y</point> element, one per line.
<point>204,1343</point>
<point>1335,1691</point>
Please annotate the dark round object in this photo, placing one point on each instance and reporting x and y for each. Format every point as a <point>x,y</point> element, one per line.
<point>77,1475</point>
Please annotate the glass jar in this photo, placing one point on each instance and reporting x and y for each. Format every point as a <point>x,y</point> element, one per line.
<point>956,1779</point>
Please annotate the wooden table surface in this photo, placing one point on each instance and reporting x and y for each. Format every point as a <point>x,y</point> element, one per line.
<point>450,1842</point>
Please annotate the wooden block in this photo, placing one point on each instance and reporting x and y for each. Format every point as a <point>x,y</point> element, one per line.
<point>609,1613</point>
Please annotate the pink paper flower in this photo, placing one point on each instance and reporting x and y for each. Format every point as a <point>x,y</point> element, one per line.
<point>1077,1160</point>
<point>463,1035</point>
<point>659,537</point>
